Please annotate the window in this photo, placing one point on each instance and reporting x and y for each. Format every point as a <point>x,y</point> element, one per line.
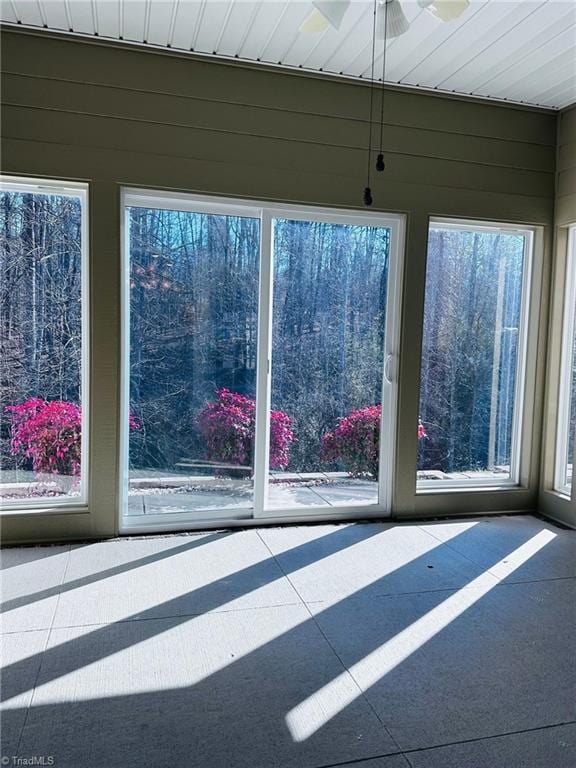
<point>42,330</point>
<point>328,332</point>
<point>255,348</point>
<point>193,332</point>
<point>567,399</point>
<point>473,355</point>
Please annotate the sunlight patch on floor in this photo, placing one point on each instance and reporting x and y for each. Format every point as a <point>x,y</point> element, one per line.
<point>333,698</point>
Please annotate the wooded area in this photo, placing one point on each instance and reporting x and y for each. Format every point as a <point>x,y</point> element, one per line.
<point>40,304</point>
<point>194,319</point>
<point>193,325</point>
<point>194,313</point>
<point>329,320</point>
<point>470,349</point>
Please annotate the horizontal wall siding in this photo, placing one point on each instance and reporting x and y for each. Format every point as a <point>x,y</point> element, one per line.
<point>566,189</point>
<point>551,503</point>
<point>208,80</point>
<point>159,120</point>
<point>255,153</point>
<point>213,116</point>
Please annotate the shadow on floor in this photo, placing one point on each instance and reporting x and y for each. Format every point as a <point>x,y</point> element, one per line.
<point>373,673</point>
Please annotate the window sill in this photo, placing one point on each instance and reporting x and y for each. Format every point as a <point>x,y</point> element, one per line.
<point>61,509</point>
<point>453,489</point>
<point>563,495</point>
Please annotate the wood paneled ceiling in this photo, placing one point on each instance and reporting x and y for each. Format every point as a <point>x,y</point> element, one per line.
<point>518,50</point>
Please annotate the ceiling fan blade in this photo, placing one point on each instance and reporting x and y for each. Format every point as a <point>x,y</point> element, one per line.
<point>326,13</point>
<point>445,10</point>
<point>396,23</point>
<point>331,12</point>
<point>314,22</point>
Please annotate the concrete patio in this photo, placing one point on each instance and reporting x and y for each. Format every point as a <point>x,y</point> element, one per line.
<point>156,492</point>
<point>440,645</point>
<point>176,493</point>
<point>153,492</point>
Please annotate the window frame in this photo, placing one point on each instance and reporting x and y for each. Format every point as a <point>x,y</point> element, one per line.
<point>521,450</point>
<point>391,351</point>
<point>45,505</point>
<point>560,484</point>
<point>267,212</point>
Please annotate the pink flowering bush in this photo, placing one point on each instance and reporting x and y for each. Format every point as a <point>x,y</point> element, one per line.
<point>421,431</point>
<point>48,432</point>
<point>228,425</point>
<point>356,441</point>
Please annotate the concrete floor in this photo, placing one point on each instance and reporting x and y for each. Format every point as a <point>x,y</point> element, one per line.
<point>440,645</point>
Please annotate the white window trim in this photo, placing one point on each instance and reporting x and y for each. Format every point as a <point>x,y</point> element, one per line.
<point>523,405</point>
<point>69,504</point>
<point>564,395</point>
<point>266,212</point>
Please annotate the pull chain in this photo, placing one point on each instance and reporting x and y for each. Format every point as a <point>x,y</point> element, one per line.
<point>367,191</point>
<point>380,159</point>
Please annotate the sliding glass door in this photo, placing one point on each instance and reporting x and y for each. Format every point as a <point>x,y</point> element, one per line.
<point>330,291</point>
<point>259,355</point>
<point>193,297</point>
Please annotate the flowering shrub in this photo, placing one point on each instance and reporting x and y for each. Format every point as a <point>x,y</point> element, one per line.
<point>421,431</point>
<point>228,426</point>
<point>49,434</point>
<point>356,441</point>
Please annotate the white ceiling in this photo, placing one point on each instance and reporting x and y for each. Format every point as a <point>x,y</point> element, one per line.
<point>518,50</point>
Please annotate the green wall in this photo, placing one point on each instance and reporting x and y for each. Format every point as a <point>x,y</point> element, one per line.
<point>550,502</point>
<point>121,114</point>
<point>117,115</point>
<point>566,168</point>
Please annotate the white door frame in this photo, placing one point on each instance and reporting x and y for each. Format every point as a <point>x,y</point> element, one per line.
<point>266,213</point>
<point>566,361</point>
<point>390,359</point>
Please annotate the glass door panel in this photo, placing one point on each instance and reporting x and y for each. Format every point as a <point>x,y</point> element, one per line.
<point>567,394</point>
<point>193,287</point>
<point>329,308</point>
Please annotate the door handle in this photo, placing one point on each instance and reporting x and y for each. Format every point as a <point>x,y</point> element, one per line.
<point>389,372</point>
